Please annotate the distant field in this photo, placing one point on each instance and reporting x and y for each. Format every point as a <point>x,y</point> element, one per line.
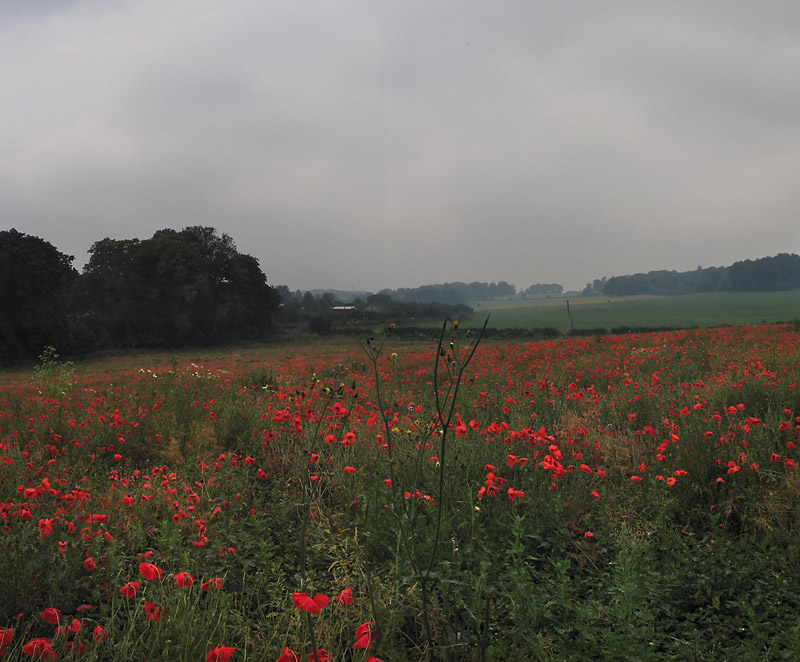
<point>702,310</point>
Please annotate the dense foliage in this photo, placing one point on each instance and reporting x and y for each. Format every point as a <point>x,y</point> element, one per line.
<point>177,288</point>
<point>781,272</point>
<point>35,283</point>
<point>631,497</point>
<point>452,293</point>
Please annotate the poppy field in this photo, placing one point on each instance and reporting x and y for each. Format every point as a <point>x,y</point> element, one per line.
<point>629,497</point>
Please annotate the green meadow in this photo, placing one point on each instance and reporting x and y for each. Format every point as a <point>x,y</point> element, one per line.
<point>686,311</point>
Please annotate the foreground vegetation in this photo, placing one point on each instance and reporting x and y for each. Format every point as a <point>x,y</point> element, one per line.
<point>622,497</point>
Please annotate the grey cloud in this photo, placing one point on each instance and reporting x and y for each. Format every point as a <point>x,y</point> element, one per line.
<point>369,145</point>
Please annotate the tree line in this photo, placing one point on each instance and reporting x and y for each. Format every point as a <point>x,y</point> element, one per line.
<point>452,293</point>
<point>325,313</point>
<point>177,288</point>
<point>781,272</point>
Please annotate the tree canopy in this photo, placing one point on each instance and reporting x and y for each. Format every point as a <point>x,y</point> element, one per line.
<point>177,288</point>
<point>35,281</point>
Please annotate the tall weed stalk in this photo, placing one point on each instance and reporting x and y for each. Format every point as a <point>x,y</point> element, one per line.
<point>455,360</point>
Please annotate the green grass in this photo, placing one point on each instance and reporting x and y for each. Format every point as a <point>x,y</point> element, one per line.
<point>691,310</point>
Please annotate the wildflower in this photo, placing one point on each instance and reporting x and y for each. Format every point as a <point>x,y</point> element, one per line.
<point>184,580</point>
<point>75,626</point>
<point>364,636</point>
<point>51,615</point>
<point>40,648</point>
<point>89,564</point>
<point>320,656</point>
<point>345,597</point>
<point>515,494</point>
<point>99,634</point>
<point>130,589</point>
<point>216,582</point>
<point>45,527</point>
<point>149,571</point>
<point>388,483</point>
<point>6,636</point>
<point>311,605</point>
<point>349,470</point>
<point>152,612</point>
<point>288,655</point>
<point>220,654</point>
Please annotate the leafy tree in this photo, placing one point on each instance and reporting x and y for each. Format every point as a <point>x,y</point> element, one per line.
<point>177,288</point>
<point>36,282</point>
<point>545,288</point>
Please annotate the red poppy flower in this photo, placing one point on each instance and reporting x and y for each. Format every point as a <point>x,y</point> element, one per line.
<point>288,655</point>
<point>51,615</point>
<point>311,605</point>
<point>90,564</point>
<point>75,626</point>
<point>320,656</point>
<point>99,634</point>
<point>153,613</point>
<point>83,609</point>
<point>45,527</point>
<point>149,571</point>
<point>184,580</point>
<point>130,589</point>
<point>40,648</point>
<point>515,494</point>
<point>216,582</point>
<point>220,654</point>
<point>345,597</point>
<point>365,636</point>
<point>6,636</point>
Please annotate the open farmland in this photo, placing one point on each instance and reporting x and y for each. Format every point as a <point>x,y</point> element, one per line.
<point>684,311</point>
<point>621,497</point>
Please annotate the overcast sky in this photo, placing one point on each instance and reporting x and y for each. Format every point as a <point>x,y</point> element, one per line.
<point>371,144</point>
